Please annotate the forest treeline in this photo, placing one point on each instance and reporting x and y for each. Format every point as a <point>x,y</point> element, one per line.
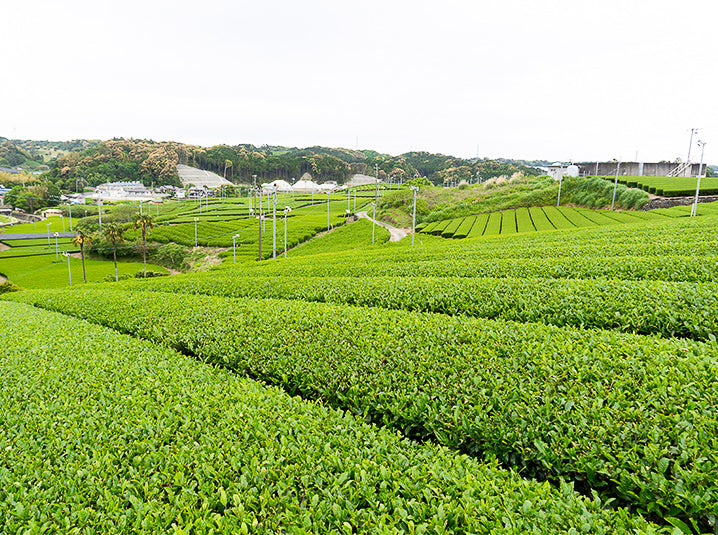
<point>87,163</point>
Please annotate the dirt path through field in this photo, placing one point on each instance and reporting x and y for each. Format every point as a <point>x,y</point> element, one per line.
<point>395,234</point>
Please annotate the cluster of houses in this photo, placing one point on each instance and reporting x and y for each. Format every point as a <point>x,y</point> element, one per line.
<point>136,191</point>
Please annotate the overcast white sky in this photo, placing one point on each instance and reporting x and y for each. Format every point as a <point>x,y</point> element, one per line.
<point>532,79</point>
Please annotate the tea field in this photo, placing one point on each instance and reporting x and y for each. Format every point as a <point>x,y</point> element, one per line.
<point>671,186</point>
<point>539,381</point>
<point>539,218</point>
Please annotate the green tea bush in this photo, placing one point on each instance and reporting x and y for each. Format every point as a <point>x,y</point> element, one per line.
<point>631,417</point>
<point>103,433</point>
<point>645,307</point>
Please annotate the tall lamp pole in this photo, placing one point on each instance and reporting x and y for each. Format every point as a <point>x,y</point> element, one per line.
<point>57,254</point>
<point>694,211</point>
<point>260,236</point>
<point>328,211</point>
<point>69,271</point>
<point>274,222</point>
<point>615,184</point>
<point>413,215</point>
<point>287,209</point>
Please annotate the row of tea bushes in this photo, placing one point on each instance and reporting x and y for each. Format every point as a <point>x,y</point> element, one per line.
<point>632,417</point>
<point>363,264</point>
<point>105,433</point>
<point>644,307</point>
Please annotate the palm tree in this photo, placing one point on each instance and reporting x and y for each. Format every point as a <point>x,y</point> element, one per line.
<point>113,234</point>
<point>144,223</point>
<point>82,239</point>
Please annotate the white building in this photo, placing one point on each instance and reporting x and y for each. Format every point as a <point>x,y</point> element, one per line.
<point>305,185</point>
<point>558,170</point>
<point>362,180</point>
<point>282,186</point>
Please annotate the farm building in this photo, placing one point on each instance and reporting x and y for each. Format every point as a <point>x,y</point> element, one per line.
<point>305,185</point>
<point>52,212</point>
<point>282,186</point>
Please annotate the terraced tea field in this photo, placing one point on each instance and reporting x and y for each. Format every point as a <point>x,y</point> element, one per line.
<point>540,218</point>
<point>521,381</point>
<point>670,186</point>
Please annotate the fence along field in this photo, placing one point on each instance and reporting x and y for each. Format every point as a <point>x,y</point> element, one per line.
<point>115,434</point>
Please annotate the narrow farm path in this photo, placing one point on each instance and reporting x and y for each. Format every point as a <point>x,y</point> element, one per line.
<point>395,234</point>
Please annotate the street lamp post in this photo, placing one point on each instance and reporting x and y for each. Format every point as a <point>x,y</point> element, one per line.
<point>195,231</point>
<point>287,209</point>
<point>694,210</point>
<point>234,247</point>
<point>328,211</point>
<point>615,184</point>
<point>57,254</point>
<point>274,223</point>
<point>69,271</point>
<point>413,215</point>
<point>260,237</point>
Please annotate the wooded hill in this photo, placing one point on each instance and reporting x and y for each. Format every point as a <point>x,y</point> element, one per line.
<point>89,163</point>
<point>33,155</point>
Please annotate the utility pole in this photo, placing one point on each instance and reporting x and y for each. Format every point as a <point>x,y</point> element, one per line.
<point>413,215</point>
<point>287,209</point>
<point>376,179</point>
<point>373,222</point>
<point>69,271</point>
<point>274,223</point>
<point>615,184</point>
<point>195,232</point>
<point>690,145</point>
<point>260,237</point>
<point>694,211</point>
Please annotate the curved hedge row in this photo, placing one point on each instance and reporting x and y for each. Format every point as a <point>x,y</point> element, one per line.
<point>645,307</point>
<point>105,433</point>
<point>662,268</point>
<point>633,417</point>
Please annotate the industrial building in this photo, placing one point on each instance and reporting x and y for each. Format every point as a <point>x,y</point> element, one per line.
<point>639,169</point>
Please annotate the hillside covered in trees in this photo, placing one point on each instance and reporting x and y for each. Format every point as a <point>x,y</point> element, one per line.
<point>34,155</point>
<point>88,163</point>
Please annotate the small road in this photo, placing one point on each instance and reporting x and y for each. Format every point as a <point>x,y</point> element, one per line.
<point>395,234</point>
